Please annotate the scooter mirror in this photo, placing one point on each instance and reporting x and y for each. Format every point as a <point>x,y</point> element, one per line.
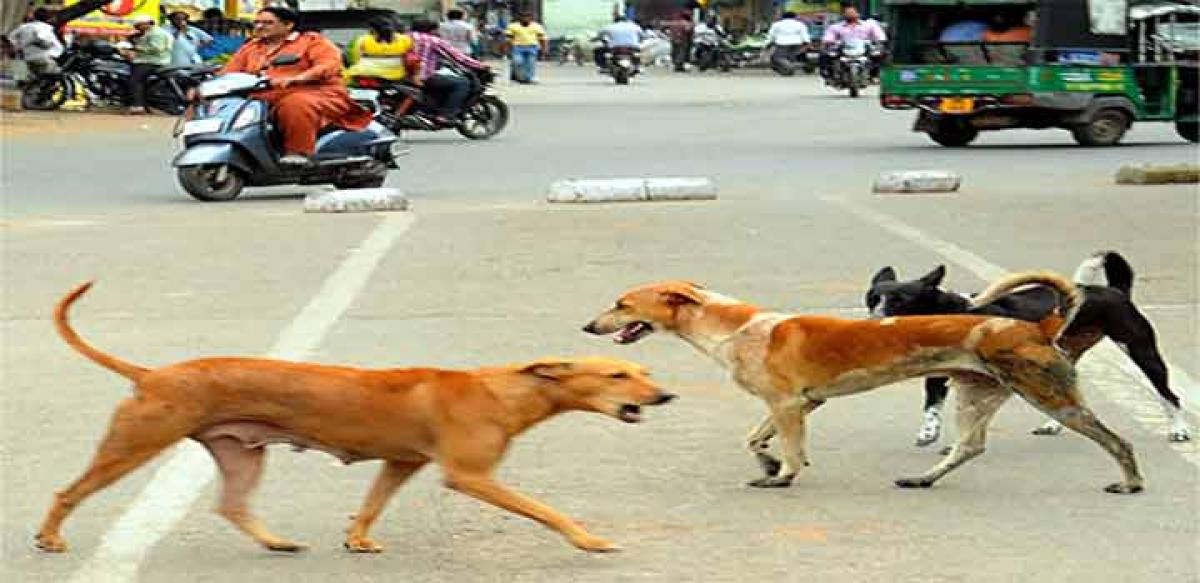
<point>285,59</point>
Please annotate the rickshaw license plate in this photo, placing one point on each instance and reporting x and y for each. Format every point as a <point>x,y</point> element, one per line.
<point>957,105</point>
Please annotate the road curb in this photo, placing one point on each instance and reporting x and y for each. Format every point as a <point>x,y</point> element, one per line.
<point>632,190</point>
<point>917,182</point>
<point>353,200</point>
<point>1158,174</point>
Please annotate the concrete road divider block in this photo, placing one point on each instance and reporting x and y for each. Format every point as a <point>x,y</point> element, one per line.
<point>631,190</point>
<point>918,181</point>
<point>353,200</point>
<point>1159,174</point>
<point>680,189</point>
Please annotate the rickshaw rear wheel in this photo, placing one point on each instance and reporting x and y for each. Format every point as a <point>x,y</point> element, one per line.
<point>953,135</point>
<point>1188,130</point>
<point>1106,128</point>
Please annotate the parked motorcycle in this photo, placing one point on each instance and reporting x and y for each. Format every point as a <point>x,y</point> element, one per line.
<point>97,72</point>
<point>232,142</point>
<point>400,106</point>
<point>622,63</point>
<point>713,56</point>
<point>851,65</point>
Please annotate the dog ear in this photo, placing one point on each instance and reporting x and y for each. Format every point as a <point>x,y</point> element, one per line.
<point>934,278</point>
<point>679,298</point>
<point>885,274</point>
<point>548,369</point>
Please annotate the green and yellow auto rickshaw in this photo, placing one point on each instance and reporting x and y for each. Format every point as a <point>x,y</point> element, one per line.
<point>1092,67</point>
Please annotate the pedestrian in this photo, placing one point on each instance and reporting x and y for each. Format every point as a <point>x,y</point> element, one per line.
<point>186,40</point>
<point>306,95</point>
<point>151,50</point>
<point>37,44</point>
<point>435,71</point>
<point>526,40</point>
<point>458,32</point>
<point>227,36</point>
<point>680,31</point>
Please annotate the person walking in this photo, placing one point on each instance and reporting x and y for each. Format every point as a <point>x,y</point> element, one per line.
<point>526,39</point>
<point>186,40</point>
<point>150,52</point>
<point>681,30</point>
<point>458,32</point>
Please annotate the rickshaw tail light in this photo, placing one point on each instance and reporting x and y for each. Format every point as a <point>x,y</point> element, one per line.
<point>1017,99</point>
<point>895,101</point>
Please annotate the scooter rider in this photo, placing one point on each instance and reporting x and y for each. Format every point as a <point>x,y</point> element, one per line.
<point>851,28</point>
<point>789,35</point>
<point>621,34</point>
<point>306,95</point>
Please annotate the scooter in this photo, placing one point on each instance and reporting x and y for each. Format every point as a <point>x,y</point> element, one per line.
<point>232,142</point>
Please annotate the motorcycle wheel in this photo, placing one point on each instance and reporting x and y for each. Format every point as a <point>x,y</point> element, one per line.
<point>44,94</point>
<point>485,119</point>
<point>621,76</point>
<point>201,182</point>
<point>783,67</point>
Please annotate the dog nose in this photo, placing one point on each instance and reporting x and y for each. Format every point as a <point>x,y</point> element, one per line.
<point>664,398</point>
<point>590,327</point>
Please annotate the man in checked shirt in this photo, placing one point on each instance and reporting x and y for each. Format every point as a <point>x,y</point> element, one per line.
<point>436,72</point>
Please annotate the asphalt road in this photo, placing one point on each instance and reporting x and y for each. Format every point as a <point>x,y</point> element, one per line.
<point>481,271</point>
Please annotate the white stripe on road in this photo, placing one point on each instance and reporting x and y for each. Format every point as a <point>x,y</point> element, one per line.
<point>173,489</point>
<point>1098,365</point>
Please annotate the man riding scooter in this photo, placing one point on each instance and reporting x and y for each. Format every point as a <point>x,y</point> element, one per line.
<point>621,35</point>
<point>305,95</point>
<point>852,28</point>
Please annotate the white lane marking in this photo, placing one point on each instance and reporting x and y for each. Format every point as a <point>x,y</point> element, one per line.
<point>173,489</point>
<point>1097,365</point>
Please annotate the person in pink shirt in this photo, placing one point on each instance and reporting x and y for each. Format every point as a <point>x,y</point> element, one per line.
<point>851,28</point>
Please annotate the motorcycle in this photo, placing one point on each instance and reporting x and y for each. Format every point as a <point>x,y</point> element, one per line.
<point>851,65</point>
<point>622,63</point>
<point>400,106</point>
<point>714,56</point>
<point>97,70</point>
<point>232,142</point>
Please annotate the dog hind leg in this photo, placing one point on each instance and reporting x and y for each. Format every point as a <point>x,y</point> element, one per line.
<point>138,432</point>
<point>935,398</point>
<point>1143,351</point>
<point>391,476</point>
<point>241,467</point>
<point>978,398</point>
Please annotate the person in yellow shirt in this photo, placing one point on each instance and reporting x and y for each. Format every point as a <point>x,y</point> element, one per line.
<point>526,39</point>
<point>379,53</point>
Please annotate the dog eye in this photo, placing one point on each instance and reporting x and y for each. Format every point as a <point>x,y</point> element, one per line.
<point>619,375</point>
<point>619,305</point>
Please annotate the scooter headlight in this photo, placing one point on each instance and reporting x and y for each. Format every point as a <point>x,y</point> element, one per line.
<point>247,117</point>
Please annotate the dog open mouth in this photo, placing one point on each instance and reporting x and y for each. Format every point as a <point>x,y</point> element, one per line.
<point>630,413</point>
<point>633,332</point>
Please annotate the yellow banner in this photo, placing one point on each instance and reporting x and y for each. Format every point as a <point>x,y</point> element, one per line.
<point>115,18</point>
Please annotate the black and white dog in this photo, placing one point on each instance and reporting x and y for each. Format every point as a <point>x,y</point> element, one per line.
<point>1106,280</point>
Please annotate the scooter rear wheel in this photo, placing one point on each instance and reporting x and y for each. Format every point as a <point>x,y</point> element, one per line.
<point>205,182</point>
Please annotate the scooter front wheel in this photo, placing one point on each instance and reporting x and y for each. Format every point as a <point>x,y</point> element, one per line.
<point>218,183</point>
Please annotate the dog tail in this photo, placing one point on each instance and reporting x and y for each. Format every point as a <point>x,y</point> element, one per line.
<point>1070,298</point>
<point>1106,268</point>
<point>128,370</point>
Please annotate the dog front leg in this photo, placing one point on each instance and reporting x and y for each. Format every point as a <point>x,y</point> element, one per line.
<point>759,441</point>
<point>791,423</point>
<point>391,476</point>
<point>485,488</point>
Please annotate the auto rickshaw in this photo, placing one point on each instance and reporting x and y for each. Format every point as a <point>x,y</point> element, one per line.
<point>1092,67</point>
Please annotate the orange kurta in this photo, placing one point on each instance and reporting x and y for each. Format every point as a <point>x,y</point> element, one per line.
<point>303,109</point>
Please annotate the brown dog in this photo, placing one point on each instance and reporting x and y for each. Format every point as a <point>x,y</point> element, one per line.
<point>463,420</point>
<point>795,363</point>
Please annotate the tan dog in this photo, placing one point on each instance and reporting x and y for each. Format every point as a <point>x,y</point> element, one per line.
<point>463,420</point>
<point>795,363</point>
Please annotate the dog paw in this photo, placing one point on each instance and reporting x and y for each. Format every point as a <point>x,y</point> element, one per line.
<point>1179,436</point>
<point>1048,429</point>
<point>594,544</point>
<point>362,545</point>
<point>771,482</point>
<point>284,546</point>
<point>1122,488</point>
<point>913,482</point>
<point>50,543</point>
<point>770,466</point>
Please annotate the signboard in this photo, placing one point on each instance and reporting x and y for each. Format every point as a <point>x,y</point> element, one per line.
<point>1107,16</point>
<point>114,18</point>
